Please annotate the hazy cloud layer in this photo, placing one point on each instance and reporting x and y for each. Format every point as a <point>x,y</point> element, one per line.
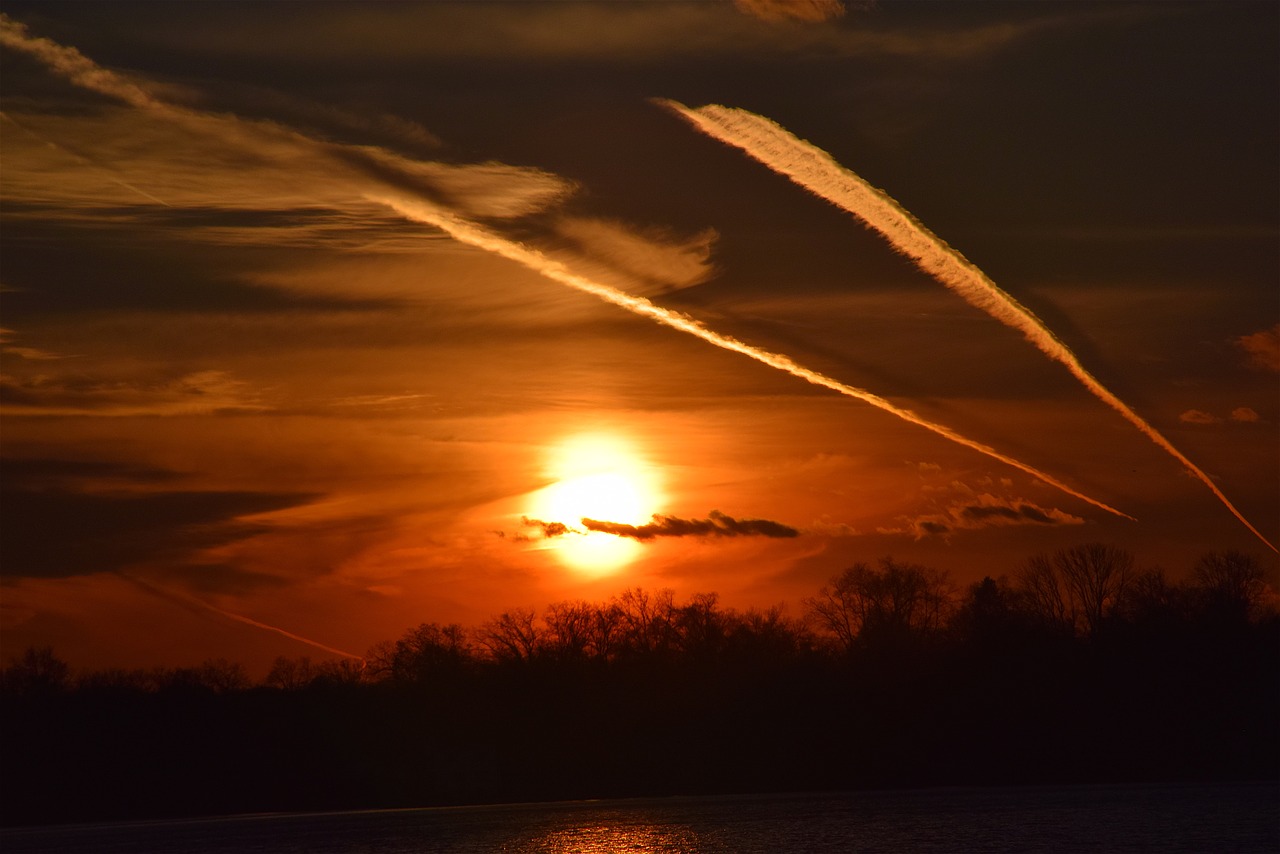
<point>89,394</point>
<point>53,528</point>
<point>393,33</point>
<point>812,11</point>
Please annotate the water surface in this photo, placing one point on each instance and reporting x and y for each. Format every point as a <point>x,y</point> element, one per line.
<point>1193,819</point>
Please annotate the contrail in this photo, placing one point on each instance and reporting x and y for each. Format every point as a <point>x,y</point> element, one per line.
<point>190,602</point>
<point>481,238</point>
<point>82,71</point>
<point>819,173</point>
<point>81,159</point>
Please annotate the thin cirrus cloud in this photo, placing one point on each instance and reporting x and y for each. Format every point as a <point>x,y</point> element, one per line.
<point>588,31</point>
<point>818,172</point>
<point>475,235</point>
<point>68,394</point>
<point>655,261</point>
<point>811,11</point>
<point>225,179</point>
<point>414,191</point>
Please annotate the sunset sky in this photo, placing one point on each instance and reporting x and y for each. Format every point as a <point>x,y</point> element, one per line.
<point>312,321</point>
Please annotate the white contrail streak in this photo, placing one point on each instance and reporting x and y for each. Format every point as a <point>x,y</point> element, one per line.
<point>79,69</point>
<point>819,173</point>
<point>479,237</point>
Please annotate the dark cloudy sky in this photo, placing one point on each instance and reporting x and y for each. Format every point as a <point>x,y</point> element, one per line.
<point>273,357</point>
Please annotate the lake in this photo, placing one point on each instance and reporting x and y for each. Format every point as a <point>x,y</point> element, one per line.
<point>1152,818</point>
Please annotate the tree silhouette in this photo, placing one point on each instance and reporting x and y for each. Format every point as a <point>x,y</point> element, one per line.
<point>889,604</point>
<point>1076,588</point>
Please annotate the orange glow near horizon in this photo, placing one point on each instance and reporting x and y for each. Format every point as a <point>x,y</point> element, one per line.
<point>597,476</point>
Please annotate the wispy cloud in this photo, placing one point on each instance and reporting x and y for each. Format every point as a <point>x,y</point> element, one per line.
<point>969,510</point>
<point>32,354</point>
<point>811,11</point>
<point>1262,348</point>
<point>818,172</point>
<point>1240,415</point>
<point>1197,416</point>
<point>651,261</point>
<point>418,192</point>
<point>88,395</point>
<point>475,235</point>
<point>592,31</point>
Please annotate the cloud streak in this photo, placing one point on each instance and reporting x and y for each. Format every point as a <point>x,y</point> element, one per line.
<point>717,525</point>
<point>819,173</point>
<point>481,238</point>
<point>416,192</point>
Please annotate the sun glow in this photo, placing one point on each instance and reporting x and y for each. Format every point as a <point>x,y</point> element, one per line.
<point>597,477</point>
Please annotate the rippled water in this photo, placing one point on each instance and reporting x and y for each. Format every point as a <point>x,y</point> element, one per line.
<point>1218,818</point>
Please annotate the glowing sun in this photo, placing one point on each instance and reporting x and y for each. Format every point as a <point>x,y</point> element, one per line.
<point>596,477</point>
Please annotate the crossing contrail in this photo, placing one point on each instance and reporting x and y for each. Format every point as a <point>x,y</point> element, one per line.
<point>382,188</point>
<point>819,173</point>
<point>481,238</point>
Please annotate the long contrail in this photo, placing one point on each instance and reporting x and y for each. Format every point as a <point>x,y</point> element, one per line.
<point>819,173</point>
<point>475,235</point>
<point>84,72</point>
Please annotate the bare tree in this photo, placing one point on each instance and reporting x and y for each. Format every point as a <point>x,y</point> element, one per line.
<point>1096,575</point>
<point>1045,594</point>
<point>648,620</point>
<point>1077,587</point>
<point>1230,582</point>
<point>511,636</point>
<point>290,674</point>
<point>570,627</point>
<point>37,671</point>
<point>896,600</point>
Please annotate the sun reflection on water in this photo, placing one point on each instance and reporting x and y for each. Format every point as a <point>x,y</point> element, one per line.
<point>615,839</point>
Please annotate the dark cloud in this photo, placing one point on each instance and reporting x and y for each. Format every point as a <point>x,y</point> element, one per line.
<point>50,529</point>
<point>967,509</point>
<point>1018,513</point>
<point>549,529</point>
<point>717,525</point>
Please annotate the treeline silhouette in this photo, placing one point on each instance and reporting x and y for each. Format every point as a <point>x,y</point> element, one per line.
<point>1077,668</point>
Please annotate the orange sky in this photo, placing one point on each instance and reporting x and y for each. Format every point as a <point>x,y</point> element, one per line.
<point>240,391</point>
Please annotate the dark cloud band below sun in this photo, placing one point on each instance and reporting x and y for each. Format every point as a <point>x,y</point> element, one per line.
<point>716,524</point>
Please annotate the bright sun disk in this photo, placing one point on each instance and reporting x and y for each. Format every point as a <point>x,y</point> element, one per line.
<point>603,478</point>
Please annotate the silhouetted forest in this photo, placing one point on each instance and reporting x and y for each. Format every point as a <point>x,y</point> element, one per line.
<point>1077,668</point>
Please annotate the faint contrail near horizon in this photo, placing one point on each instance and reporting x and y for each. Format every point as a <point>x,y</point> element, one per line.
<point>82,71</point>
<point>475,235</point>
<point>819,173</point>
<point>190,601</point>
